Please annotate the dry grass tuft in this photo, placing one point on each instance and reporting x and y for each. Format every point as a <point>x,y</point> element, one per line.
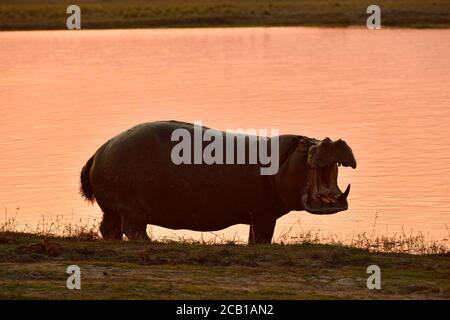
<point>50,227</point>
<point>411,243</point>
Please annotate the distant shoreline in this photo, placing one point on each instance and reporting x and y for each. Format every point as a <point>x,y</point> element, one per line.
<point>120,14</point>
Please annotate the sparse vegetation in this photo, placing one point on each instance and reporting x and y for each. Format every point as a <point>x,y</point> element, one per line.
<point>32,265</point>
<point>50,226</point>
<point>411,243</point>
<point>51,14</point>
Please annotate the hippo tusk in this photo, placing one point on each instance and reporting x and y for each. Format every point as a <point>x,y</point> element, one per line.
<point>345,194</point>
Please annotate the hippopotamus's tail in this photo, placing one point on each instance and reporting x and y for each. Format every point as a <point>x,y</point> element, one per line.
<point>86,188</point>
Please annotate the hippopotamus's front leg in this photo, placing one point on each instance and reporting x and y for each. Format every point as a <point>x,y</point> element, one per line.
<point>261,230</point>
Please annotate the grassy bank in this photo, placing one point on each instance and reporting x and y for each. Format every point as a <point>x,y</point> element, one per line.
<point>33,266</point>
<point>51,14</point>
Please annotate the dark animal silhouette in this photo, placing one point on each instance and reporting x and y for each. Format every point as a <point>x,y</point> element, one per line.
<point>135,182</point>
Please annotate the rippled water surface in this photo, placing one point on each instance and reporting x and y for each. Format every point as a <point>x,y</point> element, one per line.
<point>387,93</point>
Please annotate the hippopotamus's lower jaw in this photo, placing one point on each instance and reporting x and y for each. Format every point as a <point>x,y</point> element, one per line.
<point>322,194</point>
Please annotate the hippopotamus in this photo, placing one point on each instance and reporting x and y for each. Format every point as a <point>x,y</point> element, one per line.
<point>136,182</point>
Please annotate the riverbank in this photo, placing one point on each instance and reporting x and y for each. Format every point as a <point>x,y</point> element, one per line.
<point>33,267</point>
<point>100,14</point>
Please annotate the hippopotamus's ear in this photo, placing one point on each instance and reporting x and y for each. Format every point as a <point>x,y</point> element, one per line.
<point>303,144</point>
<point>291,144</point>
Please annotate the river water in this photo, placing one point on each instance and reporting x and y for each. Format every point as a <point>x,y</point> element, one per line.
<point>387,93</point>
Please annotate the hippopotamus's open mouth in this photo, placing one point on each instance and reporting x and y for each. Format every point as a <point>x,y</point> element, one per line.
<point>322,194</point>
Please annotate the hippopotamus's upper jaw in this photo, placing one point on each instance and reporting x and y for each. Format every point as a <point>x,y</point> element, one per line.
<point>321,194</point>
<point>326,152</point>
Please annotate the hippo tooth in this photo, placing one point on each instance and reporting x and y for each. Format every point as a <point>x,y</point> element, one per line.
<point>331,199</point>
<point>325,199</point>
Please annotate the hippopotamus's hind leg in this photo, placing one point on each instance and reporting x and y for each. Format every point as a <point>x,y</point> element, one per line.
<point>111,225</point>
<point>134,225</point>
<point>261,230</point>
